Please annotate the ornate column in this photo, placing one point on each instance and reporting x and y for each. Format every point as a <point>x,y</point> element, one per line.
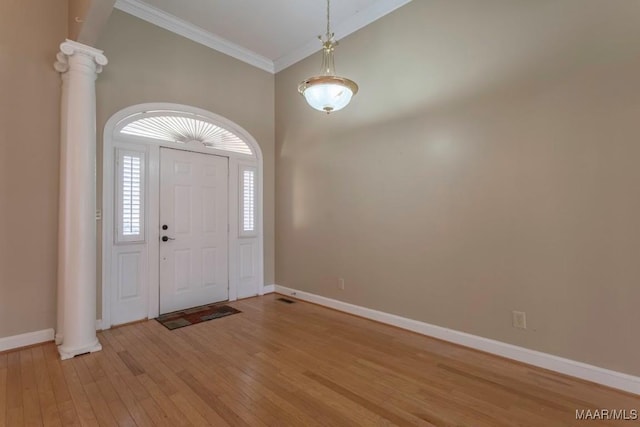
<point>76,329</point>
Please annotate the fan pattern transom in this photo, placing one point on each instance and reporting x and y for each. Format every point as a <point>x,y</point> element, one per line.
<point>185,128</point>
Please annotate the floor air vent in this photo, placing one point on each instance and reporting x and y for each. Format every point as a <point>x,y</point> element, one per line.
<point>285,300</point>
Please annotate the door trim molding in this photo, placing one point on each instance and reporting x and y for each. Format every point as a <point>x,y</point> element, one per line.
<point>238,287</point>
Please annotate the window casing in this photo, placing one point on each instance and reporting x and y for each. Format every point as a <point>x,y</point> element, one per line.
<point>130,167</point>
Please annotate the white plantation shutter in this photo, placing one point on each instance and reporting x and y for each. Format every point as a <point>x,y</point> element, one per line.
<point>130,196</point>
<point>248,201</point>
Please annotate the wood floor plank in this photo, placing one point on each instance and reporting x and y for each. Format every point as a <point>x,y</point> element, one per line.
<point>212,400</point>
<point>172,363</point>
<point>111,397</point>
<point>140,353</point>
<point>171,412</point>
<point>153,411</point>
<point>98,404</point>
<point>190,413</point>
<point>342,402</point>
<point>262,407</point>
<point>271,379</point>
<point>245,409</point>
<point>166,373</point>
<point>64,402</point>
<point>130,362</point>
<point>414,396</point>
<point>3,396</point>
<point>81,401</point>
<point>368,389</point>
<point>15,413</point>
<point>47,400</point>
<point>124,391</point>
<point>279,364</point>
<point>139,392</point>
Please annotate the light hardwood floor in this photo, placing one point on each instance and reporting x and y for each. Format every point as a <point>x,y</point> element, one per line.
<point>287,364</point>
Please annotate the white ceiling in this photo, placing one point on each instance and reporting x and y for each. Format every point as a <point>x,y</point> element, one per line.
<point>269,34</point>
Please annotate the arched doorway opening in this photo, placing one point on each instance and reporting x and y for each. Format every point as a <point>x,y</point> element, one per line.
<point>182,212</point>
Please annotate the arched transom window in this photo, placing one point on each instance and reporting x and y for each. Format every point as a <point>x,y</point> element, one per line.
<point>183,128</point>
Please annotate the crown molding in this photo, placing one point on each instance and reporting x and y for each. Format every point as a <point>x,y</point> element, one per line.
<point>176,25</point>
<point>361,19</point>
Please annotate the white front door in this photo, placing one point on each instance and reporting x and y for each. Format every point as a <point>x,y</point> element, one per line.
<point>193,229</point>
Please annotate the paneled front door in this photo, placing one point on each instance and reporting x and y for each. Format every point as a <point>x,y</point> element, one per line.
<point>194,229</point>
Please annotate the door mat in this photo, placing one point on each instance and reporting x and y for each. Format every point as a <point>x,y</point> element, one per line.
<point>180,319</point>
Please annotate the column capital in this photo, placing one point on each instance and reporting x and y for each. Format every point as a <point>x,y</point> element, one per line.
<point>69,48</point>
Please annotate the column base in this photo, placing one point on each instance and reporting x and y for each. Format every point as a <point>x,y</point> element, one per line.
<point>58,339</point>
<point>68,353</point>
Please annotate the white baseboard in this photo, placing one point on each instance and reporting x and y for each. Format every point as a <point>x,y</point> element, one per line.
<point>268,289</point>
<point>570,367</point>
<point>98,324</point>
<point>23,340</point>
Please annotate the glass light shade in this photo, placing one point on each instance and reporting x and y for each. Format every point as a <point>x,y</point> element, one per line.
<point>328,93</point>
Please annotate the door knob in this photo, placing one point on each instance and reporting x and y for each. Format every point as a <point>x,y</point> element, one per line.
<point>167,238</point>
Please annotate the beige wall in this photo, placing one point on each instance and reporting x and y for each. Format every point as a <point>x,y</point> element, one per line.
<point>78,10</point>
<point>149,64</point>
<point>30,33</point>
<point>87,19</point>
<point>489,164</point>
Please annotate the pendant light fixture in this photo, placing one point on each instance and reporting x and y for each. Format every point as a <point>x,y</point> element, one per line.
<point>328,92</point>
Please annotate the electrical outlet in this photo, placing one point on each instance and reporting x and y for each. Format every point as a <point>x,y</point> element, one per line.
<point>519,319</point>
<point>341,283</point>
<point>98,215</point>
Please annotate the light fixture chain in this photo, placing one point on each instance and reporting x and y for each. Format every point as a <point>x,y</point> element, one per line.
<point>328,20</point>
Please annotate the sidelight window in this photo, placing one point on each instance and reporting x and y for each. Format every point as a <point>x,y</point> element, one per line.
<point>130,197</point>
<point>248,201</point>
